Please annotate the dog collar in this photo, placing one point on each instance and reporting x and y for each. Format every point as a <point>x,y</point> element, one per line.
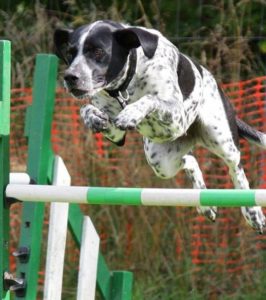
<point>121,93</point>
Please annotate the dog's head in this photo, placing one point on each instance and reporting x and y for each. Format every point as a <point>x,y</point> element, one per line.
<point>97,53</point>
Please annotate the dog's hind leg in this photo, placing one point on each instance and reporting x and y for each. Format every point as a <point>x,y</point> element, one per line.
<point>169,158</point>
<point>253,215</point>
<point>228,151</point>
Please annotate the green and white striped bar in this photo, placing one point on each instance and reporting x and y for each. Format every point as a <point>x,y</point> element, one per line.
<point>136,196</point>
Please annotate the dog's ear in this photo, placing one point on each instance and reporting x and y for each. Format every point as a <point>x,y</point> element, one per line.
<point>61,38</point>
<point>133,37</point>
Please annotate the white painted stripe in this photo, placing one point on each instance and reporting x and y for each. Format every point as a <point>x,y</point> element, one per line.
<point>260,197</point>
<point>42,193</point>
<point>84,36</point>
<point>19,178</point>
<point>170,197</point>
<point>56,237</point>
<point>82,39</point>
<point>88,261</point>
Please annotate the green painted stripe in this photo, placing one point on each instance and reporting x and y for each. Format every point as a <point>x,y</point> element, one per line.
<point>227,198</point>
<point>114,196</point>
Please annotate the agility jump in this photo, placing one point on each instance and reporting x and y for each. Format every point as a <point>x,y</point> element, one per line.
<point>40,172</point>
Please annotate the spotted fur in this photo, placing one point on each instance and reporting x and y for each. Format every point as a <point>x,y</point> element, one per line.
<point>173,102</point>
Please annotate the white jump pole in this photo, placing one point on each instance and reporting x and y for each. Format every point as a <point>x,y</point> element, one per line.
<point>56,236</point>
<point>137,196</point>
<point>88,261</point>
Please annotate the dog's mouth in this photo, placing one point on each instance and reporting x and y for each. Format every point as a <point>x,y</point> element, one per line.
<point>82,93</point>
<point>78,92</point>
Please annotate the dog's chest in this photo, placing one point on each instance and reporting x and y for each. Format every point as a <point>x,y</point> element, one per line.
<point>150,127</point>
<point>112,106</point>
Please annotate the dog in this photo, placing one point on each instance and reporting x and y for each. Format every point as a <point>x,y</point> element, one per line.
<point>135,78</point>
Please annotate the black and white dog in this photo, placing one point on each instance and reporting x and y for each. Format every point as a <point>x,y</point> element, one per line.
<point>137,79</point>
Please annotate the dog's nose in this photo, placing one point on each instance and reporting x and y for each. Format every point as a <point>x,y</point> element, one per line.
<point>71,78</point>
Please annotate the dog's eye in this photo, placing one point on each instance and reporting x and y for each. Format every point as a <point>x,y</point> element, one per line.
<point>98,54</point>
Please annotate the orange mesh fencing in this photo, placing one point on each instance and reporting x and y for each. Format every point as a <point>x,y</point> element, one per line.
<point>214,249</point>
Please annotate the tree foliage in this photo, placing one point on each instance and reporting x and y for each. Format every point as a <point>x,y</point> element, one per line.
<point>225,35</point>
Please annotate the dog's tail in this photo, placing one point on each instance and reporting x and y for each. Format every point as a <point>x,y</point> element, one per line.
<point>252,135</point>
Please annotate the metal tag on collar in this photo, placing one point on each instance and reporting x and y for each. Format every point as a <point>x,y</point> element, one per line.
<point>123,98</point>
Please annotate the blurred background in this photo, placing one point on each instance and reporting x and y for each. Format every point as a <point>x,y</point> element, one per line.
<point>173,252</point>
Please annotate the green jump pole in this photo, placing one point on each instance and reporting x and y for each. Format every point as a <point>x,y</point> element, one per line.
<point>39,168</point>
<point>5,58</point>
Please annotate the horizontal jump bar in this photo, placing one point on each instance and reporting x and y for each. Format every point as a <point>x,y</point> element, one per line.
<point>136,196</point>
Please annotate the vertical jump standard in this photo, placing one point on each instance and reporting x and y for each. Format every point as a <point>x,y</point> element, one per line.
<point>5,59</point>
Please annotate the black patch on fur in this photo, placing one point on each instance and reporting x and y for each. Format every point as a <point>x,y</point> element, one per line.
<point>61,39</point>
<point>231,116</point>
<point>246,131</point>
<point>133,37</point>
<point>186,77</point>
<point>153,155</point>
<point>115,57</point>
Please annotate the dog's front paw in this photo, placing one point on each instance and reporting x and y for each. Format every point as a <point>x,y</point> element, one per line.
<point>128,118</point>
<point>94,118</point>
<point>254,217</point>
<point>209,212</point>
